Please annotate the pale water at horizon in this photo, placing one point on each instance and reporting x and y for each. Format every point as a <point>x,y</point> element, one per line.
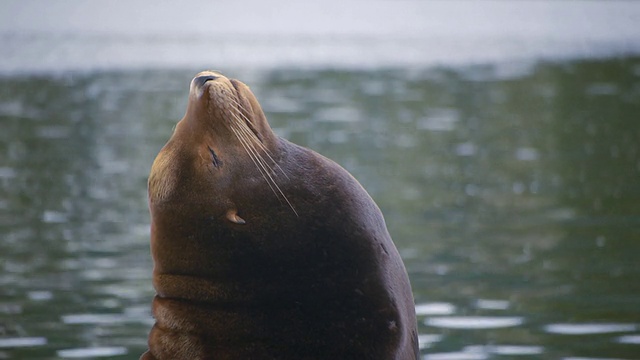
<point>66,35</point>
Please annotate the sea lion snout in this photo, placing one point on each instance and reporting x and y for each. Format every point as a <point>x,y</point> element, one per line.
<point>199,81</point>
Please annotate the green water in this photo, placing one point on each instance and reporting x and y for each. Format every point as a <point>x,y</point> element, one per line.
<point>512,192</point>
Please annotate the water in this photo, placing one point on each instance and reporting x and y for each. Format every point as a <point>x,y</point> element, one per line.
<point>506,162</point>
<point>57,35</point>
<point>513,200</point>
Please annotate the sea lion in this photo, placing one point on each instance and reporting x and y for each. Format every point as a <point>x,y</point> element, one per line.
<point>264,249</point>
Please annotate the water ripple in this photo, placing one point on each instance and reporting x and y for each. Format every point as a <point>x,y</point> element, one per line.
<point>474,322</point>
<point>7,172</point>
<point>474,352</point>
<point>40,295</point>
<point>93,319</point>
<point>435,309</point>
<point>629,339</point>
<point>22,342</point>
<point>492,304</point>
<point>589,358</point>
<point>425,340</point>
<point>92,352</point>
<point>516,350</point>
<point>588,329</point>
<point>460,355</point>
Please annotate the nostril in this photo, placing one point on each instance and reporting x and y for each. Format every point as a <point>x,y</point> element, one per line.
<point>201,80</point>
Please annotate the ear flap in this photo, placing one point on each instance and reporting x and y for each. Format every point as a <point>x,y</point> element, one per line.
<point>232,215</point>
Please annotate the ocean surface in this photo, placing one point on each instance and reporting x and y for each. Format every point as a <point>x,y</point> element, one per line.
<point>500,139</point>
<point>60,35</point>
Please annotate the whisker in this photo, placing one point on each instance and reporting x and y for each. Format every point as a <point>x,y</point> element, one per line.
<point>245,128</point>
<point>254,152</point>
<point>238,104</point>
<point>258,160</point>
<point>261,164</point>
<point>255,156</point>
<point>249,152</point>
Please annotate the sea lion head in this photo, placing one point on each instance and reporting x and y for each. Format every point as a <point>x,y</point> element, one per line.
<point>224,139</point>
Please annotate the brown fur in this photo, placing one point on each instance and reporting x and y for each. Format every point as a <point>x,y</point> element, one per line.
<point>293,261</point>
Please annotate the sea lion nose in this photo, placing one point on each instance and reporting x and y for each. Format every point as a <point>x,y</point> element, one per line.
<point>201,80</point>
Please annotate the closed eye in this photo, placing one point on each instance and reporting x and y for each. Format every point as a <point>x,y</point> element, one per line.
<point>214,158</point>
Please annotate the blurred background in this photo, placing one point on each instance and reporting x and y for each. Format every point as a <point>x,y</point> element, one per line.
<point>501,140</point>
